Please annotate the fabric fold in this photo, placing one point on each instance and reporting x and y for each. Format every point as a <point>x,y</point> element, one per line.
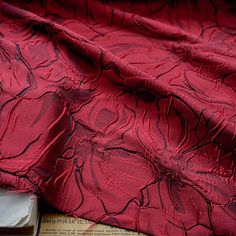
<point>122,112</point>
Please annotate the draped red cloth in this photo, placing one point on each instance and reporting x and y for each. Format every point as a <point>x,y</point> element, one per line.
<point>122,112</point>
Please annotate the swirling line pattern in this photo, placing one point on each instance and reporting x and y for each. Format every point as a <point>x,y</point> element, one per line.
<point>122,112</point>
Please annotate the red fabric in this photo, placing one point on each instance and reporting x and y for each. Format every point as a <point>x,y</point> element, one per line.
<point>122,112</point>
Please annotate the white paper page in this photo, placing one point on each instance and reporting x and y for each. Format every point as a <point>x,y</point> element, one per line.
<point>15,208</point>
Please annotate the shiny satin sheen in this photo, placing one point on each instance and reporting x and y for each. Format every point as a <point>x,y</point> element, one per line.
<point>122,112</point>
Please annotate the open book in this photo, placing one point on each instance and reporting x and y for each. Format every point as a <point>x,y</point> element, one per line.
<point>18,213</point>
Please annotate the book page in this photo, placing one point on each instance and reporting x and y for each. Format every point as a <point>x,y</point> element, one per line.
<point>16,209</point>
<point>58,224</point>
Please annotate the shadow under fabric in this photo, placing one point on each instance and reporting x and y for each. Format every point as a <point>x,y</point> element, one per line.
<point>122,112</point>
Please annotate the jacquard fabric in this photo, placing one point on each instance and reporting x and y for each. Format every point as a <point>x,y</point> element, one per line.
<point>122,112</point>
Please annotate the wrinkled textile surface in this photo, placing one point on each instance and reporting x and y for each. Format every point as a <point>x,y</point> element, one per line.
<point>122,112</point>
